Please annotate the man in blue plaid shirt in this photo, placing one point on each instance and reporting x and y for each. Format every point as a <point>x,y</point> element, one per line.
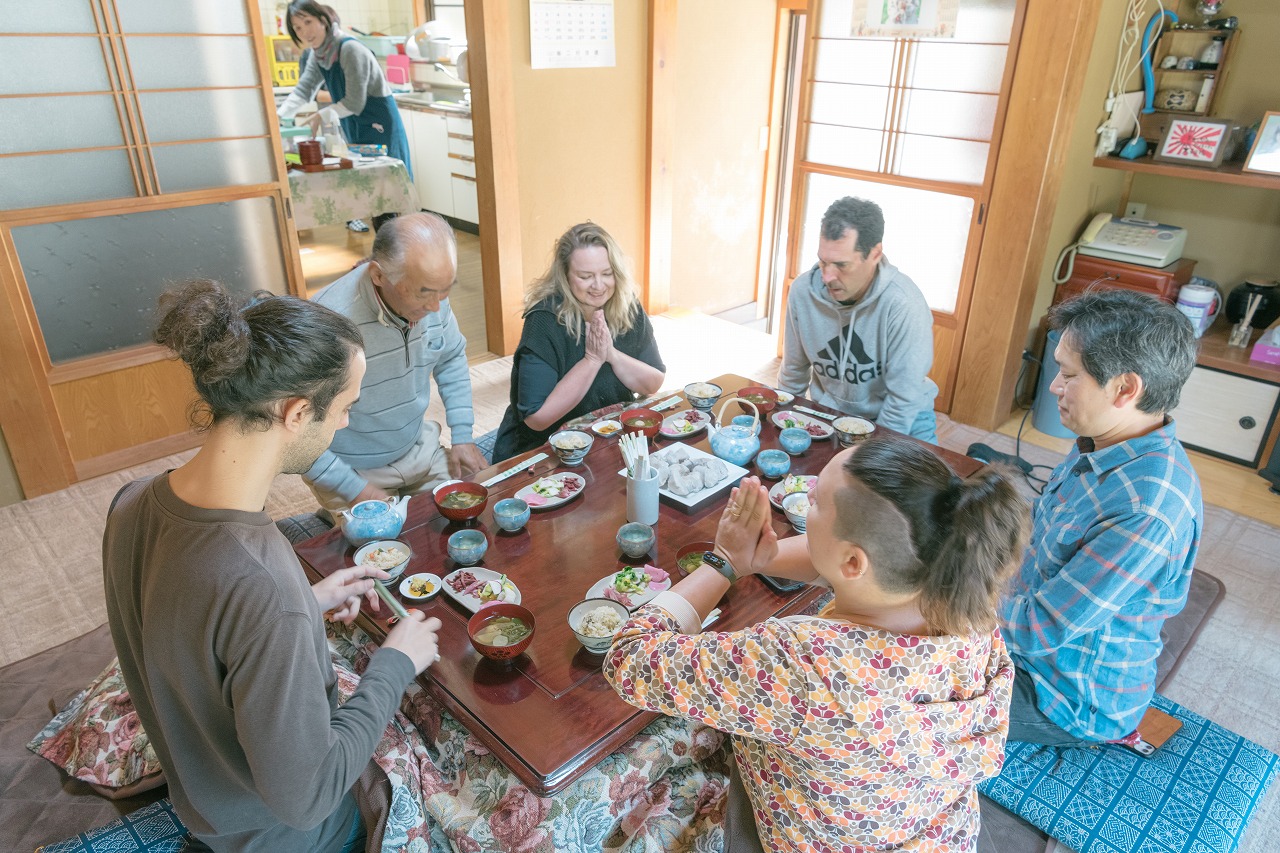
<point>1116,530</point>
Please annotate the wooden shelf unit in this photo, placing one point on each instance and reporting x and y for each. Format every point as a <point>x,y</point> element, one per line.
<point>1227,173</point>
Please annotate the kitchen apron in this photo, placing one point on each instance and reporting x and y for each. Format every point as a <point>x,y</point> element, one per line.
<point>379,124</point>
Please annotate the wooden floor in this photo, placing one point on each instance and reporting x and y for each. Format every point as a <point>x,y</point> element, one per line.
<point>1223,483</point>
<point>329,253</point>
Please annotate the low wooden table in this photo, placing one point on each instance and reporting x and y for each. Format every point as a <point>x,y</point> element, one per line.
<point>551,715</point>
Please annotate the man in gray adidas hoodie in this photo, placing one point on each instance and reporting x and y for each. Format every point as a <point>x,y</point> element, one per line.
<point>859,334</point>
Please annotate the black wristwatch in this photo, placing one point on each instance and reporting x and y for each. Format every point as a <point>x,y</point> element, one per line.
<point>720,564</point>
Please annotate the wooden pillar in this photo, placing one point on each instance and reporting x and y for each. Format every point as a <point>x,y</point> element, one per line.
<point>493,119</point>
<point>1053,56</point>
<point>660,153</point>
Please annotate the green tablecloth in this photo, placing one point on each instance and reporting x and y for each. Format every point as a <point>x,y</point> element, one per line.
<point>374,186</point>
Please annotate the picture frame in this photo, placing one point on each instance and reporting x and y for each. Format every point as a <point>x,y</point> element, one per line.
<point>1264,156</point>
<point>1194,141</point>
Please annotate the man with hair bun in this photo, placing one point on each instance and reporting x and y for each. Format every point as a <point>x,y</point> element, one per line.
<point>400,301</point>
<point>220,637</point>
<point>1116,529</point>
<point>859,334</point>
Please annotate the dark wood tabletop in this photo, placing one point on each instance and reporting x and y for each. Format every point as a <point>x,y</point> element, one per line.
<point>550,716</point>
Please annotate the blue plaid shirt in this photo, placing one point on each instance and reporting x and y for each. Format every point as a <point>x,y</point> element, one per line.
<point>1114,541</point>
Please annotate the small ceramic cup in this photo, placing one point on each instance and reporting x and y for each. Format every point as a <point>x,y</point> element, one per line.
<point>635,539</point>
<point>467,547</point>
<point>511,514</point>
<point>747,421</point>
<point>773,463</point>
<point>795,440</point>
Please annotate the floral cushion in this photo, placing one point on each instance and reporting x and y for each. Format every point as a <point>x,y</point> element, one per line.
<point>97,738</point>
<point>665,790</point>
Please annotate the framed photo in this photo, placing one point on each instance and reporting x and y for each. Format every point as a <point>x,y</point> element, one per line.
<point>1194,142</point>
<point>905,18</point>
<point>1264,156</point>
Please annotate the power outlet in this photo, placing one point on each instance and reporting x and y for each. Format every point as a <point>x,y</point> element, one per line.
<point>1133,210</point>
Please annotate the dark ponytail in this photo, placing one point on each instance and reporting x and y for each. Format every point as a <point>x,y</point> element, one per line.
<point>245,360</point>
<point>961,540</point>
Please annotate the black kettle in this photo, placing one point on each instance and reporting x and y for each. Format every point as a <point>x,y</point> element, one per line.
<point>1268,310</point>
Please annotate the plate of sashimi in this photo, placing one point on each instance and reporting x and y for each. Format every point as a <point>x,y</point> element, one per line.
<point>632,586</point>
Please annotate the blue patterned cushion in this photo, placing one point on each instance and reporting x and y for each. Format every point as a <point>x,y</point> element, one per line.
<point>1195,795</point>
<point>150,828</point>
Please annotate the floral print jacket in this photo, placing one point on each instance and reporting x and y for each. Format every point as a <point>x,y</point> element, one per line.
<point>848,738</point>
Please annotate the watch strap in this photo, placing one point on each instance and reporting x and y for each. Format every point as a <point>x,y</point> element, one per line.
<point>720,564</point>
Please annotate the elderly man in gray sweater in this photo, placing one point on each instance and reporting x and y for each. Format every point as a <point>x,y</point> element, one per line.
<point>859,334</point>
<point>400,301</point>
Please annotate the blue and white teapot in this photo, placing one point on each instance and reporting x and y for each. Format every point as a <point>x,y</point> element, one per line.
<point>368,521</point>
<point>734,443</point>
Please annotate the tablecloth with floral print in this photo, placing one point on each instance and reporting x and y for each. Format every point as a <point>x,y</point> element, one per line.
<point>373,186</point>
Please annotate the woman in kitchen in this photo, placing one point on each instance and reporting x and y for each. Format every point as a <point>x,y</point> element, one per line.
<point>362,101</point>
<point>586,343</point>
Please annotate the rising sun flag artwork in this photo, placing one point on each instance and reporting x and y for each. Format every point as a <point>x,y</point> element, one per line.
<point>1194,142</point>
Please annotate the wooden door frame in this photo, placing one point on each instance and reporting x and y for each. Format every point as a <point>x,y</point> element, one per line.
<point>1053,46</point>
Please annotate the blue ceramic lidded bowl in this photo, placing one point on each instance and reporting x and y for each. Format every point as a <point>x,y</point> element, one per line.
<point>511,514</point>
<point>795,440</point>
<point>635,539</point>
<point>467,547</point>
<point>773,463</point>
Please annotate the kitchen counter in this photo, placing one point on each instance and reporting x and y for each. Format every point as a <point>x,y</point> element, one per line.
<point>450,108</point>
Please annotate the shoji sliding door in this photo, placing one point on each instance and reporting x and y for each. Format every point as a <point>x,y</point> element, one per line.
<point>908,111</point>
<point>140,149</point>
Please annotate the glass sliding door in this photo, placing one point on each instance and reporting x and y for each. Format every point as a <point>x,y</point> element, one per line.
<point>149,154</point>
<point>908,113</point>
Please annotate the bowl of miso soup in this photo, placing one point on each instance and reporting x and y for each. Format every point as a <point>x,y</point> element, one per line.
<point>645,421</point>
<point>763,398</point>
<point>689,556</point>
<point>460,501</point>
<point>501,630</point>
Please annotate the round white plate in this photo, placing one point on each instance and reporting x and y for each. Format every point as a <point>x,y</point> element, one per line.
<point>816,428</point>
<point>778,492</point>
<point>607,428</point>
<point>572,485</point>
<point>694,422</point>
<point>434,580</point>
<point>632,599</point>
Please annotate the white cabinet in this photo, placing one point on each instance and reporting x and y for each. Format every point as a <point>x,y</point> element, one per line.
<point>462,169</point>
<point>431,175</point>
<point>1225,414</point>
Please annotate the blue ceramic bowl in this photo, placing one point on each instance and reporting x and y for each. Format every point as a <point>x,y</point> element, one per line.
<point>467,547</point>
<point>795,440</point>
<point>511,514</point>
<point>745,420</point>
<point>773,463</point>
<point>635,539</point>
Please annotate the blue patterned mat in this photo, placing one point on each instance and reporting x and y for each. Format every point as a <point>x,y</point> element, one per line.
<point>154,828</point>
<point>1195,795</point>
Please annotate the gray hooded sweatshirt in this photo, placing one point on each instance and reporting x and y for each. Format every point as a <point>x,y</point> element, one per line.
<point>869,359</point>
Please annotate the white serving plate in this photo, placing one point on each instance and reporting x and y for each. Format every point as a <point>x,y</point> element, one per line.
<point>695,501</point>
<point>695,420</point>
<point>817,429</point>
<point>472,602</point>
<point>777,493</point>
<point>537,501</point>
<point>607,428</point>
<point>634,599</point>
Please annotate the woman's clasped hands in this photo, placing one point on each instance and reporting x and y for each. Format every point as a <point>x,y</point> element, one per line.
<point>746,537</point>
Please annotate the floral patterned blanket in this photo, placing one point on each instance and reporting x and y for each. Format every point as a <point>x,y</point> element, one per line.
<point>664,791</point>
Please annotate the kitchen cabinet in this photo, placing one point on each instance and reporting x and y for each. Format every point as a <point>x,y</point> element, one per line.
<point>431,176</point>
<point>462,169</point>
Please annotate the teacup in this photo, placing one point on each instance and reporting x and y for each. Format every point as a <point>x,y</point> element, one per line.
<point>467,547</point>
<point>511,514</point>
<point>635,539</point>
<point>773,463</point>
<point>795,440</point>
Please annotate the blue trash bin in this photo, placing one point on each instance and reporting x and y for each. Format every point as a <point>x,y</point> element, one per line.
<point>1044,412</point>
